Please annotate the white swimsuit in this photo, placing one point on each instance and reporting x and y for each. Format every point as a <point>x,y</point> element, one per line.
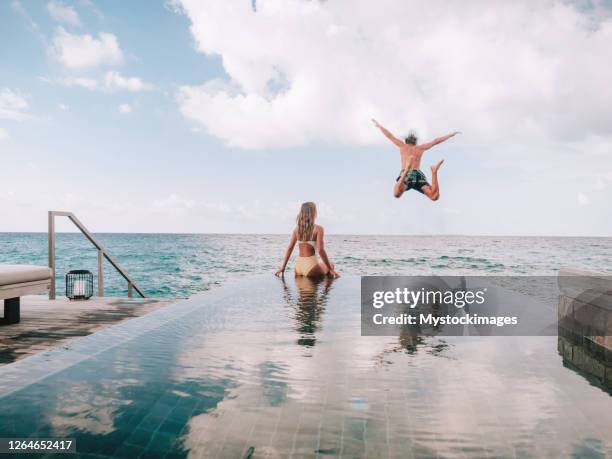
<point>303,265</point>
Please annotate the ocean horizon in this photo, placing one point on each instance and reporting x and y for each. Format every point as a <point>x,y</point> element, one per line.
<point>183,264</point>
<point>553,236</point>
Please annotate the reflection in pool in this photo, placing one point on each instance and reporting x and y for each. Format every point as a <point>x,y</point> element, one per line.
<point>307,306</point>
<point>266,368</point>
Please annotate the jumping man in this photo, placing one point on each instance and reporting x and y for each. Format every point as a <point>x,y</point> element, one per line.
<point>411,175</point>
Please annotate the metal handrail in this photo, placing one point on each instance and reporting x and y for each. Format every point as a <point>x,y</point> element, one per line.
<point>102,254</point>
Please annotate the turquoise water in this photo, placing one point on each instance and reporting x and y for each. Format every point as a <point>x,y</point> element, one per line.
<point>259,368</point>
<point>179,265</point>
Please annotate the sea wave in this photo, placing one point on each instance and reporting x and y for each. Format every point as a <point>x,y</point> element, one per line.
<point>180,265</point>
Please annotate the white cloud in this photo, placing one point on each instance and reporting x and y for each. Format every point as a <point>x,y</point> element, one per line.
<point>89,4</point>
<point>63,13</point>
<point>87,83</point>
<point>114,80</point>
<point>7,196</point>
<point>253,211</point>
<point>125,108</point>
<point>4,134</point>
<point>31,24</point>
<point>13,106</point>
<point>173,204</point>
<point>63,107</point>
<point>81,52</point>
<point>505,73</point>
<point>600,184</point>
<point>583,199</point>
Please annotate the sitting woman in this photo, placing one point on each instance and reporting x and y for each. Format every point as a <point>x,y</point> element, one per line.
<point>310,238</point>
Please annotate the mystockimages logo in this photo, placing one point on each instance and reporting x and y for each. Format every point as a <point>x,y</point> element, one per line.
<point>427,297</point>
<point>457,305</point>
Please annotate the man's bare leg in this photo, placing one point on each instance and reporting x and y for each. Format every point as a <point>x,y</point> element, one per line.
<point>433,191</point>
<point>399,188</point>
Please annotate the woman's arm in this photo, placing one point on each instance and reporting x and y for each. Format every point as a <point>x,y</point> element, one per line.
<point>323,253</point>
<point>281,271</point>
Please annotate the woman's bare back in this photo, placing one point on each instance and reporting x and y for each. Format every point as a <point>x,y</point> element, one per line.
<point>306,250</point>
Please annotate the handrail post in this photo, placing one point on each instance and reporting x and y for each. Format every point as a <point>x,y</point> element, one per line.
<point>52,254</point>
<point>100,273</point>
<point>102,254</point>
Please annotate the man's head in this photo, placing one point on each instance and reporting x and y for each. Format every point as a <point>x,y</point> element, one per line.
<point>411,138</point>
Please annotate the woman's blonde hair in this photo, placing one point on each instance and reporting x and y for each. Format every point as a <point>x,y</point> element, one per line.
<point>306,220</point>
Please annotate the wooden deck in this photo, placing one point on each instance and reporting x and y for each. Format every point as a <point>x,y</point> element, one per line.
<point>48,323</point>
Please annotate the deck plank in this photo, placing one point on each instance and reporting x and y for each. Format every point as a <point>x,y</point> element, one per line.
<point>48,323</point>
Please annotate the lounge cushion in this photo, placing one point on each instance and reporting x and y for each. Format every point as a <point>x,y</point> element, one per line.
<point>17,274</point>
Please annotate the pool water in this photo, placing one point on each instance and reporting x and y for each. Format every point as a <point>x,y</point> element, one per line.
<point>265,368</point>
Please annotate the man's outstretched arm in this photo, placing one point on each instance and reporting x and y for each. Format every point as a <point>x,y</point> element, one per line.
<point>434,142</point>
<point>387,134</point>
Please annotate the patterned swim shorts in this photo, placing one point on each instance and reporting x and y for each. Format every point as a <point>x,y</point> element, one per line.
<point>415,179</point>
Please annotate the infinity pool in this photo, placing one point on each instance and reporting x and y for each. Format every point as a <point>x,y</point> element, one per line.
<point>262,368</point>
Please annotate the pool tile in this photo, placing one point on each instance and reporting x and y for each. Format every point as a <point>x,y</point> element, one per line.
<point>128,451</point>
<point>171,427</point>
<point>140,438</point>
<point>162,442</point>
<point>224,377</point>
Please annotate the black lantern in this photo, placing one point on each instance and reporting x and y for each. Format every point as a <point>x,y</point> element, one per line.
<point>79,284</point>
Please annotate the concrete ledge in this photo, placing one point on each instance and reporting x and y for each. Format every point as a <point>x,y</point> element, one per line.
<point>47,323</point>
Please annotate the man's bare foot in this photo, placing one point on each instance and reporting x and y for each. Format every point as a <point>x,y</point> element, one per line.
<point>435,167</point>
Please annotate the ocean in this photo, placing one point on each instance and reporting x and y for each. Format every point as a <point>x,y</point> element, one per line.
<point>180,265</point>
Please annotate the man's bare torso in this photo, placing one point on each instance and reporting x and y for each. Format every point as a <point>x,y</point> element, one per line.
<point>411,156</point>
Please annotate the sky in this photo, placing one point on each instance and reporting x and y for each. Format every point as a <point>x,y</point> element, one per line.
<point>200,116</point>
